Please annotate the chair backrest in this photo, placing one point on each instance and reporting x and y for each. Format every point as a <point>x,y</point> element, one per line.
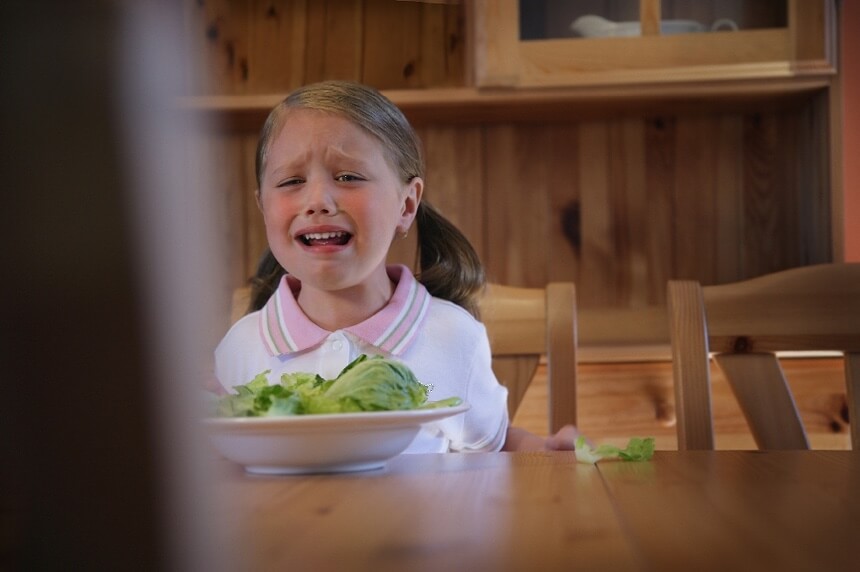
<point>812,308</point>
<point>523,325</point>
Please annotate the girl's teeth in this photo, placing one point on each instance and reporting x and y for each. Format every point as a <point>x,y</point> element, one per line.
<point>322,235</point>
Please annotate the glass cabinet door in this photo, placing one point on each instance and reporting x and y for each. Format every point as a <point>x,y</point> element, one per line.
<point>580,42</point>
<point>553,19</point>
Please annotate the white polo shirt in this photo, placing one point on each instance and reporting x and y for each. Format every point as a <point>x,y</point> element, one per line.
<point>442,343</point>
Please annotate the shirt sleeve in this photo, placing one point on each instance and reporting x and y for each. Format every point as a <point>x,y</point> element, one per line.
<point>485,424</point>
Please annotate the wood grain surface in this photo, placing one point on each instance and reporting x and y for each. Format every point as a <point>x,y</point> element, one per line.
<point>691,510</point>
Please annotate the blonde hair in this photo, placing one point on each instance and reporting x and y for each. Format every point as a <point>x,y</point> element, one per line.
<point>449,267</point>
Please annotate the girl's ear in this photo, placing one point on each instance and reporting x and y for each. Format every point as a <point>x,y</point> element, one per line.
<point>259,202</point>
<point>411,200</point>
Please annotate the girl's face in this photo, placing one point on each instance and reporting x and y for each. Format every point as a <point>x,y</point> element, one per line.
<point>332,202</point>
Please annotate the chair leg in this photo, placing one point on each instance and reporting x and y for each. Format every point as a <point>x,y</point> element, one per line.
<point>562,354</point>
<point>763,394</point>
<point>690,365</point>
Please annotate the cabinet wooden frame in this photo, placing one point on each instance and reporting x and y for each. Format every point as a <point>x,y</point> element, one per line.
<point>501,60</point>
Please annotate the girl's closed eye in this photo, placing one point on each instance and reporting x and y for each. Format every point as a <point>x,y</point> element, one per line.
<point>292,181</point>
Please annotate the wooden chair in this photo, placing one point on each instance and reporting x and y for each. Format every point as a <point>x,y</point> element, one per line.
<point>811,308</point>
<point>524,325</point>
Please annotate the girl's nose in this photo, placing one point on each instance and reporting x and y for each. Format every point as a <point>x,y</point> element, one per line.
<point>320,198</point>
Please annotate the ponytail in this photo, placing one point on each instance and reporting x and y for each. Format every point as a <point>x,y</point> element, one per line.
<point>265,281</point>
<point>449,266</point>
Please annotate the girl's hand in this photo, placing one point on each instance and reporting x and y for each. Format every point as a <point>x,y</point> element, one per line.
<point>563,440</point>
<point>522,440</point>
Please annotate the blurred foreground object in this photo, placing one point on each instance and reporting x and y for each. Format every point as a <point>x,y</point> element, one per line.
<point>103,229</point>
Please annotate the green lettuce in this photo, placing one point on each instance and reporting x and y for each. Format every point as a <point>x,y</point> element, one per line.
<point>638,449</point>
<point>366,384</point>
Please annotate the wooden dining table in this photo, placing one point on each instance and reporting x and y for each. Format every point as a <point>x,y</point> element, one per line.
<point>540,511</point>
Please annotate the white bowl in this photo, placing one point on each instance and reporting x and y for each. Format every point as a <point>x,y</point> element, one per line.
<point>322,443</point>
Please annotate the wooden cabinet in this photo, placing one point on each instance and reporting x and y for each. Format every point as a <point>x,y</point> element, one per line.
<point>538,43</point>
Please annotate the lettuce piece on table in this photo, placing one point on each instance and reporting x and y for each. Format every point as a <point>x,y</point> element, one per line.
<point>637,449</point>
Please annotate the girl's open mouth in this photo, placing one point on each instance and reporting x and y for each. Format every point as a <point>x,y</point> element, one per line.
<point>336,238</point>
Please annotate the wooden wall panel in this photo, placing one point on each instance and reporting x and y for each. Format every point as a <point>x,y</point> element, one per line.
<point>249,47</point>
<point>787,190</point>
<point>516,204</point>
<point>443,47</point>
<point>811,166</point>
<point>660,216</point>
<point>272,46</point>
<point>625,187</point>
<point>766,185</point>
<point>218,40</point>
<point>409,44</point>
<point>695,198</point>
<point>759,207</point>
<point>595,284</point>
<point>656,199</point>
<point>564,208</point>
<point>276,44</point>
<point>316,26</point>
<point>629,215</point>
<point>729,202</point>
<point>804,160</point>
<point>502,257</point>
<point>547,181</point>
<point>455,178</point>
<point>392,44</point>
<point>344,36</point>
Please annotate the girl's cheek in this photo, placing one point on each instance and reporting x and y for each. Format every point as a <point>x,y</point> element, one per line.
<point>279,204</point>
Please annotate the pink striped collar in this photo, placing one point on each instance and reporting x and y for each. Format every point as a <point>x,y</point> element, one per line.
<point>285,329</point>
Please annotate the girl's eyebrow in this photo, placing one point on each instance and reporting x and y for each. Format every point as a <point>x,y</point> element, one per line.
<point>281,166</point>
<point>341,154</point>
<point>278,172</point>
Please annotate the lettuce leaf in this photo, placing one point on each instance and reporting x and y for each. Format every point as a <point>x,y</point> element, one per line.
<point>638,449</point>
<point>366,384</point>
<point>376,384</point>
